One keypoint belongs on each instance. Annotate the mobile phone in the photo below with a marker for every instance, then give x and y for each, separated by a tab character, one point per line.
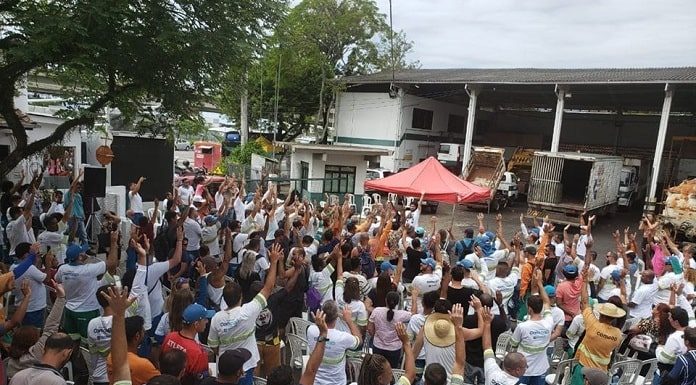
117	282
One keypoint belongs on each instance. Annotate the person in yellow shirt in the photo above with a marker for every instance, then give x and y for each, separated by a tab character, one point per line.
601	336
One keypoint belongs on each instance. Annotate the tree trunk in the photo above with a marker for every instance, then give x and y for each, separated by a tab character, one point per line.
325	113
244	115
321	104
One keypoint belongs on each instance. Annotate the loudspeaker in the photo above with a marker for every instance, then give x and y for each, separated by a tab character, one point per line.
94	182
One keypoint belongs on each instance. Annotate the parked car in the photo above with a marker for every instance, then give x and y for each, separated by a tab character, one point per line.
182	145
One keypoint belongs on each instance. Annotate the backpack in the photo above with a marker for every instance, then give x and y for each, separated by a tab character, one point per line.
467	245
367	264
313	299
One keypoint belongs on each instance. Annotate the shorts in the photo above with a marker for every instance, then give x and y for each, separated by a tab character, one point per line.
75	322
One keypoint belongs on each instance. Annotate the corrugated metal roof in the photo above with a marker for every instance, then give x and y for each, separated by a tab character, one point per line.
532	76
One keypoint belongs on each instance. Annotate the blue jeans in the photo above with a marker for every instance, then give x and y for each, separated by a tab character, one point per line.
81	232
136	218
532	380
34	318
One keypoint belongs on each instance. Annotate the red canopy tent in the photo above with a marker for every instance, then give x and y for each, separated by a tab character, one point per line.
438	183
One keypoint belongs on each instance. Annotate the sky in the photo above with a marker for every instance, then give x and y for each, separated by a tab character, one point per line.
547	33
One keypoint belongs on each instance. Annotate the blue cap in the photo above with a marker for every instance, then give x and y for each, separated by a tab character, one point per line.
550	290
535	230
196	312
420	231
465	263
570	269
386	266
429	262
210	219
676	266
490	235
74	251
616	274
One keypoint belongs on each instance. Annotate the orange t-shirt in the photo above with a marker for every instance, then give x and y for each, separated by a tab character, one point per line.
142	370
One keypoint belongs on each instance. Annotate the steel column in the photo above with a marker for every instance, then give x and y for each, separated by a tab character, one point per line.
470	125
660	146
558	119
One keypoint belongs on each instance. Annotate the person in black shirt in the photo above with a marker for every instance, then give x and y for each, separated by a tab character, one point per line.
550	263
414	255
230	367
456	293
474	348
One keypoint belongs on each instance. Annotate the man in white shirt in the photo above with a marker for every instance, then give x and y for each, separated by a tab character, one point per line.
57	204
186	192
55	237
606	283
99	338
234	327
81	281
640	305
136	201
19	229
210	236
332	368
514	363
192	232
664	283
37	302
430	277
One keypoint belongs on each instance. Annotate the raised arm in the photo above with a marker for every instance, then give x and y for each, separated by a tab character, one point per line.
501	235
409	357
318	353
276	255
457	315
354	330
119	302
136	187
18	316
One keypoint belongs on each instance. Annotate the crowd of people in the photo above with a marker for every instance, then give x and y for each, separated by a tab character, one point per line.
202	289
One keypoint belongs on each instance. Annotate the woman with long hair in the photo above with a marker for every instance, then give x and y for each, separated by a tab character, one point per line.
348	296
376	369
171	321
377	297
245	274
381	326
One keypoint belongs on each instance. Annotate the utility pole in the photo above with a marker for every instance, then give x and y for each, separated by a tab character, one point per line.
244	115
277	95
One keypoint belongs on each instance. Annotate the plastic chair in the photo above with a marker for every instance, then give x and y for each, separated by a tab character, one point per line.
650	375
562	373
627	371
503	345
259	381
559	353
297	344
299	326
397	373
377	198
408	201
353	364
393	198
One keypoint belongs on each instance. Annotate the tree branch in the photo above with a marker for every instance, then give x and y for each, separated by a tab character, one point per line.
24	150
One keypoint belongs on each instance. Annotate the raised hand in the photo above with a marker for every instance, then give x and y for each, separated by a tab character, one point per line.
487	315
320	321
475	303
401	333
347	315
457	313
179	233
276	253
479	216
118	299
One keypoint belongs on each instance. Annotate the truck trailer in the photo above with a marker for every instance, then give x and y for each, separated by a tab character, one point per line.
563	185
486	168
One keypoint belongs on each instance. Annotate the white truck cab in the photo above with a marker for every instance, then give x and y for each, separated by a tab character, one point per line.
508	186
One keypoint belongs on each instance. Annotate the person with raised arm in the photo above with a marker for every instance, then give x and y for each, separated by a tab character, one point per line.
514	363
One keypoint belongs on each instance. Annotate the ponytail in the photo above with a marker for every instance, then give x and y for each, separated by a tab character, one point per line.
392	301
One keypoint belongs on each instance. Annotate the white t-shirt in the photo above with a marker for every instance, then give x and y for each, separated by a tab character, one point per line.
493	374
365	286
81	284
577	326
37	301
492	260
414	326
136	202
163	327
192	232
444	356
186	193
209	236
17	233
235	328
56	240
643	298
141	306
238	242
332	370
357	310
581	249
532	338
426	283
154	286
673	347
322	282
664	290
505	285
609	285
480	266
557	315
99	344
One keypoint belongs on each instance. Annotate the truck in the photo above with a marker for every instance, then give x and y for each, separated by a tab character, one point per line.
521	165
450	155
563	185
680	210
633	182
486	168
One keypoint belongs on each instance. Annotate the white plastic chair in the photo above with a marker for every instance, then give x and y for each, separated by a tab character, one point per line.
391	197
367	205
408	201
377	198
502	346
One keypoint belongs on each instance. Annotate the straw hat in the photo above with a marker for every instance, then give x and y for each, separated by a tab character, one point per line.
610	310
439	330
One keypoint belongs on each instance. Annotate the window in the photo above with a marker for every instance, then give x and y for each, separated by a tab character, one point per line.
339	179
422	119
304	175
456	123
444	149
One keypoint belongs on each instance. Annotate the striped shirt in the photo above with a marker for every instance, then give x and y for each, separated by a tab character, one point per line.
531	339
684	369
235	328
599	342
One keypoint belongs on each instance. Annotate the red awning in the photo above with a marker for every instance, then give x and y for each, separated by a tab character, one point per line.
438	183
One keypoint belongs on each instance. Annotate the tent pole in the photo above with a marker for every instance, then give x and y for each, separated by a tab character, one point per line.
454	206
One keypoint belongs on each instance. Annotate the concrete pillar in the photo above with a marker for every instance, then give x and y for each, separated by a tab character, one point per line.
470	126
558	119
660	146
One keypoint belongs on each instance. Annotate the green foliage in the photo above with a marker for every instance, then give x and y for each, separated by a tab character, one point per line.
316	43
242	154
151	59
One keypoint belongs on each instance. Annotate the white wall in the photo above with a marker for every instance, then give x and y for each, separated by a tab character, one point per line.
317	167
364	117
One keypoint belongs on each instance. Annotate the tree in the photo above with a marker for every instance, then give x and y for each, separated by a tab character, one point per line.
139	57
317	43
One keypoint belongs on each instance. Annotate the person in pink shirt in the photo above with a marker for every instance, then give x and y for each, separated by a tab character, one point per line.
658	259
381	327
568	293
